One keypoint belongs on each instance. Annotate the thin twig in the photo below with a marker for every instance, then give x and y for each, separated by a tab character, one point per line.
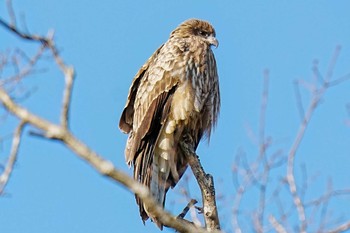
262	155
185	190
342	228
5	176
300	106
326	196
25	36
191	203
276	225
316	97
291	157
332	64
239	193
26	70
69	78
11	13
339	80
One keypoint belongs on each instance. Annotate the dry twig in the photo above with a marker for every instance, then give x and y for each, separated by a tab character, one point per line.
5	176
276	225
317	95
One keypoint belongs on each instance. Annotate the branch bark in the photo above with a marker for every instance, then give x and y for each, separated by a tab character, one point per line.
16	141
206	184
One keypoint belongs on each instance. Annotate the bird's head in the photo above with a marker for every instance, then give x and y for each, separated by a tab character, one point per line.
198	28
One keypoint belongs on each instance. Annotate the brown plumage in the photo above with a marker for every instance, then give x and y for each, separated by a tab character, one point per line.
175	95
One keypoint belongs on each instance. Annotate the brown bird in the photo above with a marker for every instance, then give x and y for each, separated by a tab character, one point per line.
173	97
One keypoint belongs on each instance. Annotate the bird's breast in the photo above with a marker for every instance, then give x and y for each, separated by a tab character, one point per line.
182	105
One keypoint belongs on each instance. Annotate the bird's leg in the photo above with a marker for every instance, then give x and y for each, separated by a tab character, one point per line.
188	143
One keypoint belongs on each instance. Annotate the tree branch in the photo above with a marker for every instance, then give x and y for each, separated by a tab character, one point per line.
276	225
104	167
206	184
25	36
48	42
317	94
69	78
342	228
187	208
262	154
16	141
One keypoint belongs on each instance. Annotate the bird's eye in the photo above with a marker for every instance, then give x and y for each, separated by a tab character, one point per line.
204	33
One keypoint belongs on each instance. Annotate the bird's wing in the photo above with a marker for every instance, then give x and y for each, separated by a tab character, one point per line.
149	93
146	110
126	119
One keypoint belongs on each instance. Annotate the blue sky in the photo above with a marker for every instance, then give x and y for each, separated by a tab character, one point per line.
53	191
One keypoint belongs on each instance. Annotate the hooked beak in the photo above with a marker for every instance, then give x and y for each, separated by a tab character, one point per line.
213	41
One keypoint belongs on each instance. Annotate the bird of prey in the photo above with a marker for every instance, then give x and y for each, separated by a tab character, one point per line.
173	97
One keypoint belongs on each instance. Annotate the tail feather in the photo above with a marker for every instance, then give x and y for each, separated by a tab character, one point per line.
160	174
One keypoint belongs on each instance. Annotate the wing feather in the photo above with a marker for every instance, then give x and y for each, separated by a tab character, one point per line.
127	117
147	99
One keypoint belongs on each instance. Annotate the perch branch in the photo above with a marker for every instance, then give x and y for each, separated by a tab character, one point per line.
206	184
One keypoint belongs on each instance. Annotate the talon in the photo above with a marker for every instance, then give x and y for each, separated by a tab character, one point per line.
200	209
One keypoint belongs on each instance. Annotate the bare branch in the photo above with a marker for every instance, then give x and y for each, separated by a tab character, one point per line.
206	184
339	80
69	78
276	225
11	12
262	155
27	70
25	36
187	208
68	71
317	95
5	176
299	100
342	228
290	164
185	190
332	64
